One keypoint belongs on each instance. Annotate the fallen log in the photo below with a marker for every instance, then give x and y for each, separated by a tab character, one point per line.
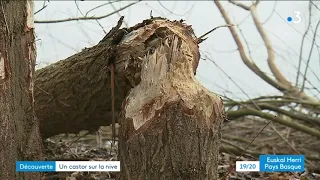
74	94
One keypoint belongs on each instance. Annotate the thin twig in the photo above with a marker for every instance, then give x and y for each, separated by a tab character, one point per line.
295	54
43	7
200	39
250	64
301	46
118	13
85	134
84	17
243	6
173	13
99	7
244	151
309	58
318	48
246	42
235	83
78	8
289	144
269	17
315	5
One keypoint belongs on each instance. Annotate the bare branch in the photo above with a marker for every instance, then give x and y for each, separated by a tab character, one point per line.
295	125
318	48
309	58
200	39
265	106
290	145
243	54
271	61
273	101
234	82
239	4
78	8
294	115
245	150
104	31
237	150
99	7
315	5
84	17
245	41
282	83
118	13
269	17
171	12
43	7
302	43
256	2
271	56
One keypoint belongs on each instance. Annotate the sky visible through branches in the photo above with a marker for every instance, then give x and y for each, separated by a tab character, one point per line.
221	68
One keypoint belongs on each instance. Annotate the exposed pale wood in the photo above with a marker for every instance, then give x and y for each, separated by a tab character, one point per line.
170	124
74	94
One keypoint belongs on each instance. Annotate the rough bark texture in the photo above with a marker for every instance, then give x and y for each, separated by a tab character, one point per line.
19	133
170	124
74	94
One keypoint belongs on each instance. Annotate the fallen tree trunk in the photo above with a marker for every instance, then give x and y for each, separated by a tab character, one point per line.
74	94
170	124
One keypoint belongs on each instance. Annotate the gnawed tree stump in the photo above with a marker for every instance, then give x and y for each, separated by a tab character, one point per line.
170	123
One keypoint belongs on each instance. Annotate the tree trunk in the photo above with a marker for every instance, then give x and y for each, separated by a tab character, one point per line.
170	124
19	133
74	94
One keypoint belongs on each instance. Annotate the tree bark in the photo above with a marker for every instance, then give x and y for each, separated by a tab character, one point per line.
19	133
170	124
75	94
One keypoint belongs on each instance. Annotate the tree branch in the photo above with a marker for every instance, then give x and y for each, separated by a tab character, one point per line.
84	17
251	65
239	4
309	58
295	125
302	43
271	56
282	84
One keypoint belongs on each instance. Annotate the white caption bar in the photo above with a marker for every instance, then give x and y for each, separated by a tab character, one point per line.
247	166
72	166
